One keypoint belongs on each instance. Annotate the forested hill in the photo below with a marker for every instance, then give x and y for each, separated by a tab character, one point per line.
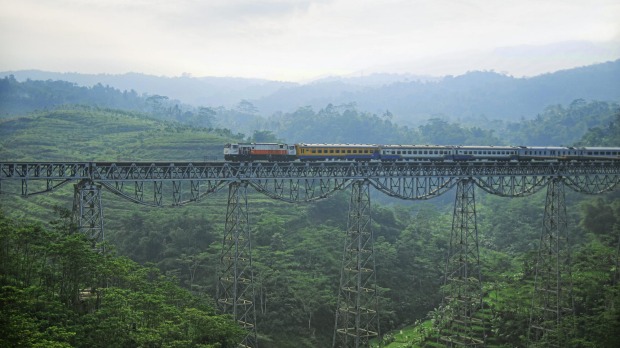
469	96
473	95
80	133
50	282
55	292
561	124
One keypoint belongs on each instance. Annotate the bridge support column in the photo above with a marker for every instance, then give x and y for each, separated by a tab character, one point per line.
356	313
88	211
235	291
462	282
552	297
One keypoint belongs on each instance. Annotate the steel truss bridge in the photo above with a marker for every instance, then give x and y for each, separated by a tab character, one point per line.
177	183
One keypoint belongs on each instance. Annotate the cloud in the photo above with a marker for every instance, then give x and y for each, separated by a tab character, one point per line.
282	38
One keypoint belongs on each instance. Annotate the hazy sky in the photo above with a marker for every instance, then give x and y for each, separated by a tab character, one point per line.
304	39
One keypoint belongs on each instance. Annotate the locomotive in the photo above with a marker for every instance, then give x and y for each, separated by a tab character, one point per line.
276	152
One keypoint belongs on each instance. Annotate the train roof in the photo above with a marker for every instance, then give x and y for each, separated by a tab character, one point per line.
419	146
487	147
338	145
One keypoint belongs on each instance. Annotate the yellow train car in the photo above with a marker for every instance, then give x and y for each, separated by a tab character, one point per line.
337	152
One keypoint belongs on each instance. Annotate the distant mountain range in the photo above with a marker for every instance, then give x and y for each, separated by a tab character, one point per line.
409	98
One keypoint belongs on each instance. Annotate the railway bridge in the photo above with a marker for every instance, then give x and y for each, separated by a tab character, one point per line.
161	184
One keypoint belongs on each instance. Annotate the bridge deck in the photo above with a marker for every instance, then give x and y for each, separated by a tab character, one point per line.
305	181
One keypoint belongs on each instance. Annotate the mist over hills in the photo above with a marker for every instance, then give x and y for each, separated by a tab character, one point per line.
409	98
206	91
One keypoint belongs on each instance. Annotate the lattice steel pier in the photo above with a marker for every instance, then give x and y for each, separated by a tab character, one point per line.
357	319
552	297
463	282
235	292
88	212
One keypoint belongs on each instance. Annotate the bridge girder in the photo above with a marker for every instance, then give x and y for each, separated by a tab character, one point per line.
179	183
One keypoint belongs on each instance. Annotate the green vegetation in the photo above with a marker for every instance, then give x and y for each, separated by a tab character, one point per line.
56	291
84	133
334	123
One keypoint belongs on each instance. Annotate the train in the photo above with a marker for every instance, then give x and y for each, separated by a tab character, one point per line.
280	152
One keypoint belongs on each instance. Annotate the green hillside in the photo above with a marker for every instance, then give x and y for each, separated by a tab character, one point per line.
86	134
297	248
120	303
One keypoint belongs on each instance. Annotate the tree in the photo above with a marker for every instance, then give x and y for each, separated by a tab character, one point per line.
247	107
55	291
264	136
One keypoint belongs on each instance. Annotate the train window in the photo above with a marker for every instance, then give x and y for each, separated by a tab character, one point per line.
331	151
313	150
337	151
425	152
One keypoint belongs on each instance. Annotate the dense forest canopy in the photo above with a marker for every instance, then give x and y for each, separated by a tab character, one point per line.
56	291
154	286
